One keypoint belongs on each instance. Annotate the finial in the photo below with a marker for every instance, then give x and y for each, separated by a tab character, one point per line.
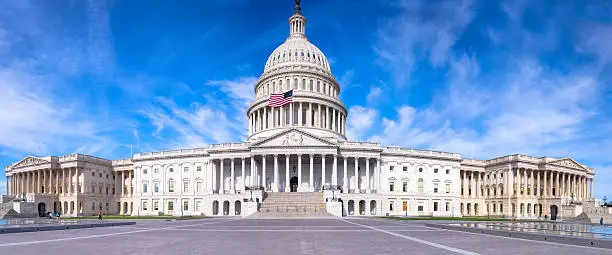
297	8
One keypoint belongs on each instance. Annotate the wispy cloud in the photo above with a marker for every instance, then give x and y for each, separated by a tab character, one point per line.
360	122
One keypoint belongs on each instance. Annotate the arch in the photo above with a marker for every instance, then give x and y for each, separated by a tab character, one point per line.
528	209
125	207
71	207
362	205
420	185
42	209
237	207
373	207
65	207
522	209
540	210
476	209
469	209
351	207
226	206
342	203
215	207
500	187
513	205
461	208
553	212
293	184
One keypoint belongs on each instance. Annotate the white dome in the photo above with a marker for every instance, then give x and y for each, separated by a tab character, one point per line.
297	51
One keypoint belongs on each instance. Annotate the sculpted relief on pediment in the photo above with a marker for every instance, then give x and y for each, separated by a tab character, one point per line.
567	163
293	139
29	161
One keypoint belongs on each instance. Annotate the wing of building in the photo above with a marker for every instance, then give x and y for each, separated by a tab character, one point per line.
298	160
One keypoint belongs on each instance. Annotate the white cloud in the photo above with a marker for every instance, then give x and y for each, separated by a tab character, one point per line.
423	30
3	186
359	122
374	94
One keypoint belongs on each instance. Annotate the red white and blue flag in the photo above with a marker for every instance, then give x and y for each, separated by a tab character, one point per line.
278	100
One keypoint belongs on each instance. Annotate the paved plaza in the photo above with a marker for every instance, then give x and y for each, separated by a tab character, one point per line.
274	236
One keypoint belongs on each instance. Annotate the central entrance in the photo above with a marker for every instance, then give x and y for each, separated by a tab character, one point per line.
293	184
553	212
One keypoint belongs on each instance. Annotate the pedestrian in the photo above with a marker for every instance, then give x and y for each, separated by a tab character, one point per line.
601	221
99	214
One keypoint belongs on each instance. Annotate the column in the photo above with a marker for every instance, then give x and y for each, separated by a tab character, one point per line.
222	177
327	118
367	175
242	174
472	184
335	171
273	118
299	187
590	187
322	171
319	122
282	116
287	189
539	184
462	177
309	118
266	118
275	186
122	183
333	119
558	188
357	175
532	183
38	179
213	172
545	184
311	177
345	179
291	114
232	177
263	171
300	124
377	174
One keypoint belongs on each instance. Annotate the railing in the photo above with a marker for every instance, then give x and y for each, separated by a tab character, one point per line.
227	145
423	152
76	156
332	187
254	188
122	162
171	152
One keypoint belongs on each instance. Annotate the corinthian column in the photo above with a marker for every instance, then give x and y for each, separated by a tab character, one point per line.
345	179
322	171
275	186
311	177
367	175
357	175
287	188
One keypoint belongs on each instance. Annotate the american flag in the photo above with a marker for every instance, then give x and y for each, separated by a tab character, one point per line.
277	100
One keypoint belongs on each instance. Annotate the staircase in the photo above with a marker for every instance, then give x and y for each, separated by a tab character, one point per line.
293	205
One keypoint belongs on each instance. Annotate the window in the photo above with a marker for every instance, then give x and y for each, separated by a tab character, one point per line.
420	208
171	170
171	186
185	205
93	206
448	188
447	206
156	205
156	170
435	188
185	186
100	175
156	188
420	185
435	206
435	170
144	171
93	174
185	169
405	169
199	186
144	187
391	206
447	171
170	206
391	186
144	205
390	168
405	187
198	169
420	169
198	206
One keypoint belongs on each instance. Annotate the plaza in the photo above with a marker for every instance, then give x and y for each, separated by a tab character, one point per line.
235	235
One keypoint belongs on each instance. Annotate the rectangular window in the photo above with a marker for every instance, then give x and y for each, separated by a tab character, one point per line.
170	186
156	171
156	205
156	187
405	187
198	169
435	188
435	206
198	206
198	186
185	205
144	171
391	186
170	206
420	208
448	188
435	170
391	168
447	206
405	168
185	169
144	205
391	206
185	186
447	171
144	187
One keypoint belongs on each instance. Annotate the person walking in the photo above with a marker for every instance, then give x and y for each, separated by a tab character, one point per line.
99	214
601	221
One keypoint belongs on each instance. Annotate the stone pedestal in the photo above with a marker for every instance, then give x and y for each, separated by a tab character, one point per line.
334	208
249	208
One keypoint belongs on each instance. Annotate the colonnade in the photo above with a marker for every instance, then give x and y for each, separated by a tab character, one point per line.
45	181
298	114
259	170
522	182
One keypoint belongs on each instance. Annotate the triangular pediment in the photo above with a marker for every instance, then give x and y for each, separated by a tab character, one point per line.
568	162
293	138
29	161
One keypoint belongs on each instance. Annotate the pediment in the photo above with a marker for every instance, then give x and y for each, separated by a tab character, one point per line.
568	162
293	138
30	161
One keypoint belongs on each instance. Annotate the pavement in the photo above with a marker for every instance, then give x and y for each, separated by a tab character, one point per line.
275	236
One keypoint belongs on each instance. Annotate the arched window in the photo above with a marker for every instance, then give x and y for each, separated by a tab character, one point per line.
420	169
420	185
171	185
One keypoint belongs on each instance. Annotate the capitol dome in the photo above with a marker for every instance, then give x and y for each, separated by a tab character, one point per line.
299	68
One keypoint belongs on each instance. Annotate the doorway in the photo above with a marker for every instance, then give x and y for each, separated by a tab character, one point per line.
41	209
293	184
553	212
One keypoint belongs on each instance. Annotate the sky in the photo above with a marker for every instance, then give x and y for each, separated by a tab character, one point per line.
481	78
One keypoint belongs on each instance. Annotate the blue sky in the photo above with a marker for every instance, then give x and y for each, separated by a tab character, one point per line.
482	78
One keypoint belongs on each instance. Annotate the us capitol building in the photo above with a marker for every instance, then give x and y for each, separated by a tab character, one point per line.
297	160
